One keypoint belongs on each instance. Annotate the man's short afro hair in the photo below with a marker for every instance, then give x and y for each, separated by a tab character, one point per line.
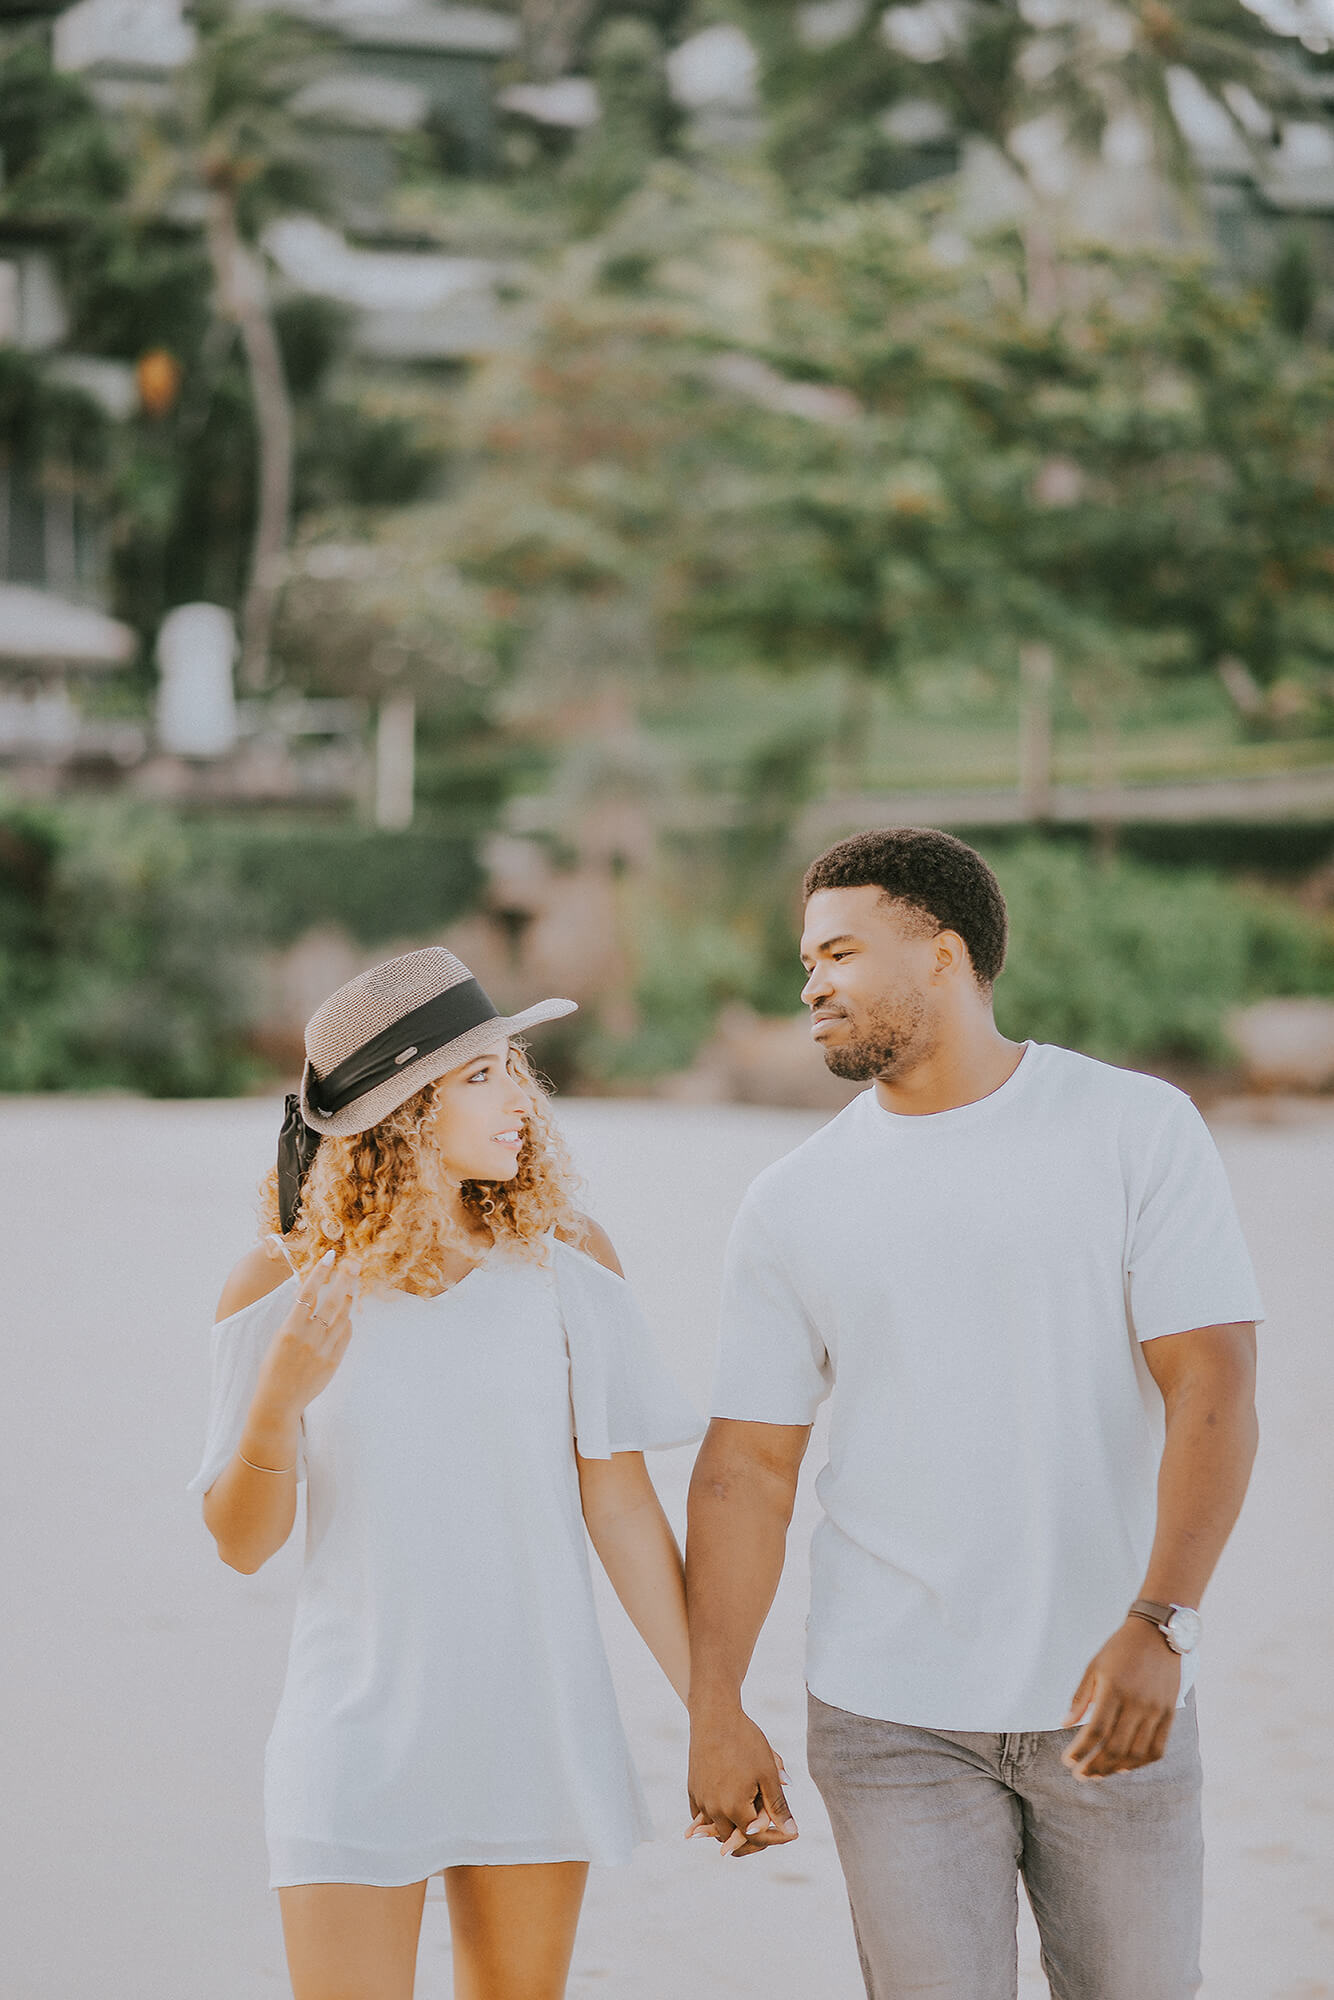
932	872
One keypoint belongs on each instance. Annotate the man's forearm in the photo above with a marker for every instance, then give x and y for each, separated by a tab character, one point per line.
739	1515
1206	1465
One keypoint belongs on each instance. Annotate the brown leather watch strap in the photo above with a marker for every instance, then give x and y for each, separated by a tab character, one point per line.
1144	1607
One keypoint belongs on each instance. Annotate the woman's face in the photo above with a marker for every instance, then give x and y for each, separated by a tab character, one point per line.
480	1115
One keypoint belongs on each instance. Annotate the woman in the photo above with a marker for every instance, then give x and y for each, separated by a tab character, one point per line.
445	1348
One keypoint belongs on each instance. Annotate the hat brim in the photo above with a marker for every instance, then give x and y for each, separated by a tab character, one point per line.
369	1109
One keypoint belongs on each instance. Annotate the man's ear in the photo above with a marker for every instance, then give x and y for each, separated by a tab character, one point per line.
951	953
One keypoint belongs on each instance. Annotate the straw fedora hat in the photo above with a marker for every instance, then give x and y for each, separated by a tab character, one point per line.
393	1029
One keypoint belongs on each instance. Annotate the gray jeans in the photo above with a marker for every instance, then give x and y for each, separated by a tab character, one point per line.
935	1826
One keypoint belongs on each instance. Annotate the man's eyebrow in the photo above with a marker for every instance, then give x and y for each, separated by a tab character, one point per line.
845	937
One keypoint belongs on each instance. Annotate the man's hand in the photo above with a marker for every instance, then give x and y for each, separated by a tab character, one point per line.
1132	1686
735	1784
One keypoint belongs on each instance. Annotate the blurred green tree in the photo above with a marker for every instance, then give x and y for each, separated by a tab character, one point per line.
613	156
115	202
1027	80
552	31
909	468
229	131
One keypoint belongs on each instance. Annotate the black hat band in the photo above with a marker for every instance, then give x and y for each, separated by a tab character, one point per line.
420	1033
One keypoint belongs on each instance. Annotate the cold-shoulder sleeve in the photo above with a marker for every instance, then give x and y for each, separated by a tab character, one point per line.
623	1397
239	1344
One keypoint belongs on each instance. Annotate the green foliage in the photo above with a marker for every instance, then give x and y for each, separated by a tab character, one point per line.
1140	481
690	965
1128	962
58	155
990	69
312	333
378	886
613	156
45	420
129	940
912	468
230	117
132	284
1294	288
124	963
349	454
179	489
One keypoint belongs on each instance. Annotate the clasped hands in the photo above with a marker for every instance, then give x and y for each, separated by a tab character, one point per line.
736	1786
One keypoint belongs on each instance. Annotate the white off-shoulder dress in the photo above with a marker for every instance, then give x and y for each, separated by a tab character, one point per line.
447	1696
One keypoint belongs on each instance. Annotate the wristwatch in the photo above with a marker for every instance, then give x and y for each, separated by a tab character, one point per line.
1179	1625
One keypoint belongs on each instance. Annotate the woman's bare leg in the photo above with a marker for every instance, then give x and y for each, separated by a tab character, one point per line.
346	1941
512	1929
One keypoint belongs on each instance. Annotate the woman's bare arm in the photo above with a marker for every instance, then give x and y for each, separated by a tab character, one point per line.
628	1528
638	1550
249	1511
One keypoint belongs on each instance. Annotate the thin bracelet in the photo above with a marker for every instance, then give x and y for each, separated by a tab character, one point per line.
275	1469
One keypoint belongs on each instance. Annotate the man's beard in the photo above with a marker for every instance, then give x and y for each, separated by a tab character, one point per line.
883	1044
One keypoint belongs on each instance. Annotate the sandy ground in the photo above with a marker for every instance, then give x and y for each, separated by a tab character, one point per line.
138	1676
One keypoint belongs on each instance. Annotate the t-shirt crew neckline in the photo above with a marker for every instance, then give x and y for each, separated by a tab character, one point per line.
995	1100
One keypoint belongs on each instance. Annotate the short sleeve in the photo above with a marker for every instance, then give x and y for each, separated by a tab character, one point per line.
622	1395
239	1344
773	1365
1187	1264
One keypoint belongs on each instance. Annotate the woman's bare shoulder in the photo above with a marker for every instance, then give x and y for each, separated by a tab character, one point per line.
593	1240
259	1272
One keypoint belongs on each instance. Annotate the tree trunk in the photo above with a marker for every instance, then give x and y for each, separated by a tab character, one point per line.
551	31
395	726
1037	672
243	298
1042	284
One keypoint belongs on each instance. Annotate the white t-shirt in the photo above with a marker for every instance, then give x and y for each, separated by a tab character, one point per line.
973	1287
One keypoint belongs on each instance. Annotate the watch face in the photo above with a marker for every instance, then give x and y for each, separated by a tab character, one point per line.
1183	1630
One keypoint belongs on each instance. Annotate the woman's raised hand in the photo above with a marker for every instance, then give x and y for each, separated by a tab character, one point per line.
310	1343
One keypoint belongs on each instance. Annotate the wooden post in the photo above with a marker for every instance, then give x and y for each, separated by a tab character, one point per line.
395	730
1037	673
1106	788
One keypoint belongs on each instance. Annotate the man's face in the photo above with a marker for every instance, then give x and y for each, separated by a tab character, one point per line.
872	984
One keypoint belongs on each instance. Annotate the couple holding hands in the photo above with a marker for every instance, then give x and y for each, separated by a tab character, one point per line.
1019	1275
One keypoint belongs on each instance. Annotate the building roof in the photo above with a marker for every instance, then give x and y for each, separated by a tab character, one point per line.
414	25
359	102
410	305
123	35
39	630
571	102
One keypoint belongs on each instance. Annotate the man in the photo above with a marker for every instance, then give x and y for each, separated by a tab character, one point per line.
1020	1275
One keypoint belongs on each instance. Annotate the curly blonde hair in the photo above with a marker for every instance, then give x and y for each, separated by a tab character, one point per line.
382	1196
